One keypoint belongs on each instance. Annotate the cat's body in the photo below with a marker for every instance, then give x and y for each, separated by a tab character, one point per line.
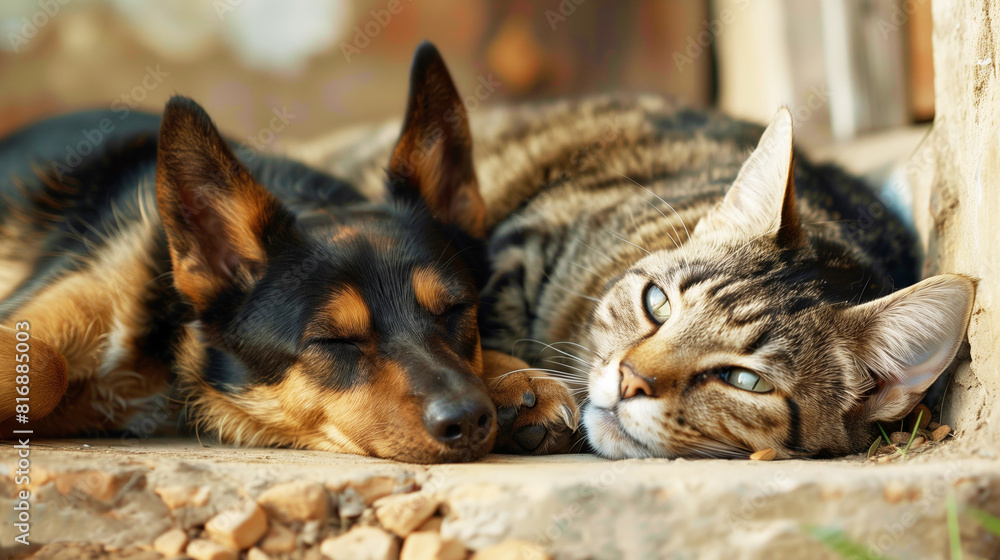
588	202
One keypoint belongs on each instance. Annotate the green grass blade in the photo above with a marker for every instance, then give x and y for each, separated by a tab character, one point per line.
953	535
874	447
841	544
885	435
914	434
989	522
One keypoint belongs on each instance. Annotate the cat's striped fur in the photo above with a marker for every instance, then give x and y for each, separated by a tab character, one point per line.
591	202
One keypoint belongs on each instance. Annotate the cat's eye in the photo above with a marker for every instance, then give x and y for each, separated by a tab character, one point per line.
657	304
746	380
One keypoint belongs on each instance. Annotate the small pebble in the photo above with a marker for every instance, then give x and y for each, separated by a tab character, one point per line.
899	438
257	554
923	413
764	455
278	540
171	543
402	513
431	546
204	549
295	501
512	549
433	525
361	543
941	432
917	442
239	527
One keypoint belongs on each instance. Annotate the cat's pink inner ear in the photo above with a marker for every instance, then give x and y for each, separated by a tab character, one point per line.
908	339
761	200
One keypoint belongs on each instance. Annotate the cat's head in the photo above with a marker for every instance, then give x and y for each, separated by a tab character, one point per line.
752	336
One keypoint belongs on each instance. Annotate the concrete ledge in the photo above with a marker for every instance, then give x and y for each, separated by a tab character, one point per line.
573	506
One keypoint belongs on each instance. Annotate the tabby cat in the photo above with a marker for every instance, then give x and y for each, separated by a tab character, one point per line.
699	302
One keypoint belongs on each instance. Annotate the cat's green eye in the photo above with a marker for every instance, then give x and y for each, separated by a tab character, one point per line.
746	380
657	304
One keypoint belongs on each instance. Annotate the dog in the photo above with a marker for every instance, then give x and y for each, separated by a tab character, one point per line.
281	306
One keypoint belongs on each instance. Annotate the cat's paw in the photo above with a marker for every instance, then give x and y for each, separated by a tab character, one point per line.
536	415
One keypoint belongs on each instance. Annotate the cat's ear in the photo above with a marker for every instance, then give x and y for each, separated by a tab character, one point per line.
433	156
907	339
217	218
762	199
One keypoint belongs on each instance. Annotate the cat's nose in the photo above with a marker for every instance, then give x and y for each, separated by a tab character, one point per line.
633	384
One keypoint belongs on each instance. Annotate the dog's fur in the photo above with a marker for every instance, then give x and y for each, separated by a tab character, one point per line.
283	306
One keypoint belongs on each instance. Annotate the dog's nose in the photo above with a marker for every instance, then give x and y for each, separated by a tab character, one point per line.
633	384
460	421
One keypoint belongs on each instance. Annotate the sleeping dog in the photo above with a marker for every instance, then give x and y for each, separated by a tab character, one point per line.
278	303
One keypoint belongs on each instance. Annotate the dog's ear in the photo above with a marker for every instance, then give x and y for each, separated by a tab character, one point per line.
433	157
218	220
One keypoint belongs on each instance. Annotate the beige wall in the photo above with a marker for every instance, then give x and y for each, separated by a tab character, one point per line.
958	206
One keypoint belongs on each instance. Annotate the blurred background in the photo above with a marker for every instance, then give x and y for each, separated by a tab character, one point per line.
847	68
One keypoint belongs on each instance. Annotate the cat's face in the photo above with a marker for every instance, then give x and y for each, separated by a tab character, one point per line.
746	338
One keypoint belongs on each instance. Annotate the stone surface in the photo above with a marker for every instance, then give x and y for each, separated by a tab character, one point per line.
403	513
361	543
423	545
171	543
573	506
295	501
239	527
204	549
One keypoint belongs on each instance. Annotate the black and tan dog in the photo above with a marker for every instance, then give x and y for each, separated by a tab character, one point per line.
280	304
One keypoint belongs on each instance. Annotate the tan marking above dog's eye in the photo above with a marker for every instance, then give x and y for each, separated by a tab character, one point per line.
430	291
344	315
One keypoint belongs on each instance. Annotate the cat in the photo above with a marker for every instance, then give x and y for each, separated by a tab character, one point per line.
701	296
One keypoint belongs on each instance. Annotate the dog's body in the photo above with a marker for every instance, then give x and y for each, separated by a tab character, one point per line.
298	313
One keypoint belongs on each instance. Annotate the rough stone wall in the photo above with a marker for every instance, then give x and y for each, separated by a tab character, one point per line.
959	212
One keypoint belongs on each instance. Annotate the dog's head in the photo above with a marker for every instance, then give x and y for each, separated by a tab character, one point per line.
352	328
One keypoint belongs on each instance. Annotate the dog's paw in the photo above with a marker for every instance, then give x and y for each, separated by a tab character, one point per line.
536	415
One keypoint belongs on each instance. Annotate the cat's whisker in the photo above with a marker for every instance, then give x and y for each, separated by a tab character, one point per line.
565	354
553	347
668	205
578	345
574	368
557	372
567	381
626	240
578	265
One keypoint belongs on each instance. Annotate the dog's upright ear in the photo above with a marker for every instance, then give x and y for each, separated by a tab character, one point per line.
218	220
433	157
